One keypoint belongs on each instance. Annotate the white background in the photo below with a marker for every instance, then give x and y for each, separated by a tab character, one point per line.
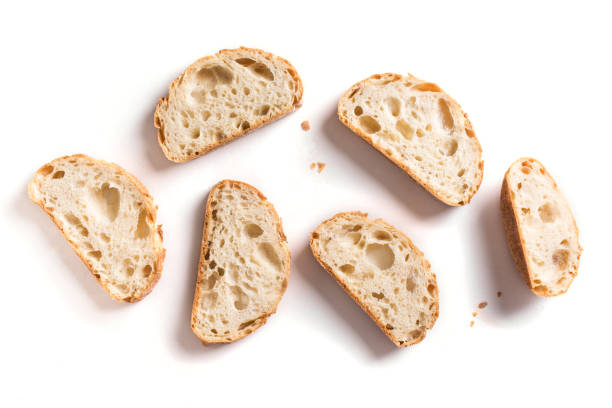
535	80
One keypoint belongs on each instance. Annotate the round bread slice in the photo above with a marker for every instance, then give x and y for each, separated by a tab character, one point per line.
382	270
540	228
221	97
109	219
421	129
244	264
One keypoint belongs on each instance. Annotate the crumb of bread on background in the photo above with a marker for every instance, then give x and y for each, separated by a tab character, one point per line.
312	166
472	323
475	314
306	125
482	305
499	294
320	167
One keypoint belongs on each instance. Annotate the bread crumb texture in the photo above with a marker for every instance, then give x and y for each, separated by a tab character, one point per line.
540	228
108	217
382	271
221	97
421	129
244	264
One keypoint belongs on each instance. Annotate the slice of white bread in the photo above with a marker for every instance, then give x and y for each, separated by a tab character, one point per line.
221	97
244	264
109	219
382	270
540	228
419	128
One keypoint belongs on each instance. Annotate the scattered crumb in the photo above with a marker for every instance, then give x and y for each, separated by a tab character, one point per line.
472	323
482	305
306	125
499	294
312	166
320	167
475	314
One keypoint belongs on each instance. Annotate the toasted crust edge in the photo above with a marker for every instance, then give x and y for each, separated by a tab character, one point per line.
514	235
200	277
151	211
376	320
297	103
422	183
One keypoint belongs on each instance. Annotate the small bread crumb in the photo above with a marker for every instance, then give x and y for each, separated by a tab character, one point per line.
475	314
499	294
306	125
482	305
320	166
312	166
472	323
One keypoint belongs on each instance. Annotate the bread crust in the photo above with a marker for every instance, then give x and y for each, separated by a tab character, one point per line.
514	234
151	211
379	323
261	320
467	124
157	121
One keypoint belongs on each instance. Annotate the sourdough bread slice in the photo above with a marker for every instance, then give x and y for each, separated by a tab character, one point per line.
382	270
540	228
244	264
221	97
419	128
109	219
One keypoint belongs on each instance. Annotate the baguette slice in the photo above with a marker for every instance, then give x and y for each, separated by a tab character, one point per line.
540	228
244	264
221	97
109	219
419	128
382	270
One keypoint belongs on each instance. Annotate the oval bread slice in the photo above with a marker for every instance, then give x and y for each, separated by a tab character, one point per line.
109	219
244	264
419	128
540	228
221	97
382	270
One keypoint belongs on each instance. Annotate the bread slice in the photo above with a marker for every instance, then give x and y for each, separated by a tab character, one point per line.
540	228
244	264
382	270
221	97
109	219
419	128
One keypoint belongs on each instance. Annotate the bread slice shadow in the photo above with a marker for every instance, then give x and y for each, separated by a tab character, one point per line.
386	173
58	245
374	341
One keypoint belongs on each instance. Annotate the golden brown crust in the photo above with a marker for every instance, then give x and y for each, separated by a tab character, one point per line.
151	214
467	124
239	133
261	320
379	323
514	234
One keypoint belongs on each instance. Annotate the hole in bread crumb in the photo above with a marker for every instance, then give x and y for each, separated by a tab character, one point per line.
525	211
450	147
415	334
146	271
263	71
446	117
382	235
420	133
431	289
95	254
244	126
253	230
427	87
58	174
358	110
241	299
461	173
107	200
404	128
46	170
195	133
267	252
246	91
347	268
380	255
525	170
418	158
246	324
263	110
74	220
541	290
369	124
245	62
561	258
394	105
378	296
410	284
548	212
565	242
142	228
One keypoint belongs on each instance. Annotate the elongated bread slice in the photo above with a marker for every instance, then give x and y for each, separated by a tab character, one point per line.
109	219
540	228
221	97
419	128
382	270
244	264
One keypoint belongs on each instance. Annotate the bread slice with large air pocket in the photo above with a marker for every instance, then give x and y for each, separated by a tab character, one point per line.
223	96
382	270
540	228
109	219
421	129
244	264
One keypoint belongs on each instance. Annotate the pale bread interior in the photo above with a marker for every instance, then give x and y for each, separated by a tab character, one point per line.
383	270
107	218
220	97
546	225
244	266
419	127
